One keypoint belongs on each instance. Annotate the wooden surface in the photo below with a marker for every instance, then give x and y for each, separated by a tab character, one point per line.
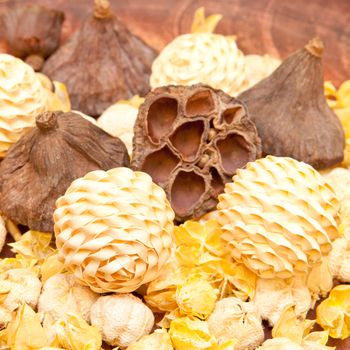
277	27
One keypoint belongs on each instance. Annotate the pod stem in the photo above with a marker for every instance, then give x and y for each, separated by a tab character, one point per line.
47	120
102	9
315	46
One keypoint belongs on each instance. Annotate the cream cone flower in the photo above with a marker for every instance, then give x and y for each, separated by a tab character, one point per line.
114	229
279	217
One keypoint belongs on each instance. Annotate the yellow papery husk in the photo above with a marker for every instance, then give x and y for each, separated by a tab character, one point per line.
33	244
51	266
73	333
159	340
333	314
24	331
196	297
193	334
202	24
20	262
289	326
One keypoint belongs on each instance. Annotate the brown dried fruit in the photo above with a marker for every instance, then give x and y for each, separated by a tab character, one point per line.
191	140
291	113
111	63
42	164
32	32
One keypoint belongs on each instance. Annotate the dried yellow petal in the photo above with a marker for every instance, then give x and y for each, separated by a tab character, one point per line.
159	340
73	333
33	244
19	262
196	297
289	326
191	334
202	24
51	266
24	332
333	314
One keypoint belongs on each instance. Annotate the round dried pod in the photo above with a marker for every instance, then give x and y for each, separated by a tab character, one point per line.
32	32
291	113
121	318
22	98
114	229
234	319
279	217
101	41
43	163
191	140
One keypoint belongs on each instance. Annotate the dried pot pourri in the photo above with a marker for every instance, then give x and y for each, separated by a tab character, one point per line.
291	112
32	32
191	140
42	164
101	41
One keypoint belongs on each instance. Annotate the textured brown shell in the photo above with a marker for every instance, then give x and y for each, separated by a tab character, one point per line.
32	30
103	62
291	113
191	140
42	164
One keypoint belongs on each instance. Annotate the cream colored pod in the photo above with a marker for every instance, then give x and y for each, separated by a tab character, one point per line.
22	98
279	217
114	229
234	319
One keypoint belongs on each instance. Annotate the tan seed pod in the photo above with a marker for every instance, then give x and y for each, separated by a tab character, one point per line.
233	318
17	286
191	140
62	294
339	260
279	217
114	229
121	318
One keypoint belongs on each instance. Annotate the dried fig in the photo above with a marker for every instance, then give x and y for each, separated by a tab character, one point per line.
291	113
32	32
103	62
42	164
191	140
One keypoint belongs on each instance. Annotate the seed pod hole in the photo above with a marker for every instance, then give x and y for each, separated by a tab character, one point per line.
161	115
187	139
160	164
216	183
230	114
234	152
187	189
201	103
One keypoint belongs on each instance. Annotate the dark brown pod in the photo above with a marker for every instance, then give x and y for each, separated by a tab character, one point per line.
42	164
103	62
191	140
32	32
291	113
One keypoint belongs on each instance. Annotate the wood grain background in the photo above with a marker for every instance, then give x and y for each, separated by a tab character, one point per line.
277	27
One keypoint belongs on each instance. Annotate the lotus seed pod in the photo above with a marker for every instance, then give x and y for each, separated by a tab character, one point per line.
191	140
121	318
272	296
233	318
22	98
62	294
279	217
114	229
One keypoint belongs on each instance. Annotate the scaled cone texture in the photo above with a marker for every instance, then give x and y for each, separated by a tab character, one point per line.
22	98
279	217
114	229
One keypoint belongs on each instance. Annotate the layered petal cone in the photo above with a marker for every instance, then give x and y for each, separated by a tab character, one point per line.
103	62
43	163
114	229
279	217
291	112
